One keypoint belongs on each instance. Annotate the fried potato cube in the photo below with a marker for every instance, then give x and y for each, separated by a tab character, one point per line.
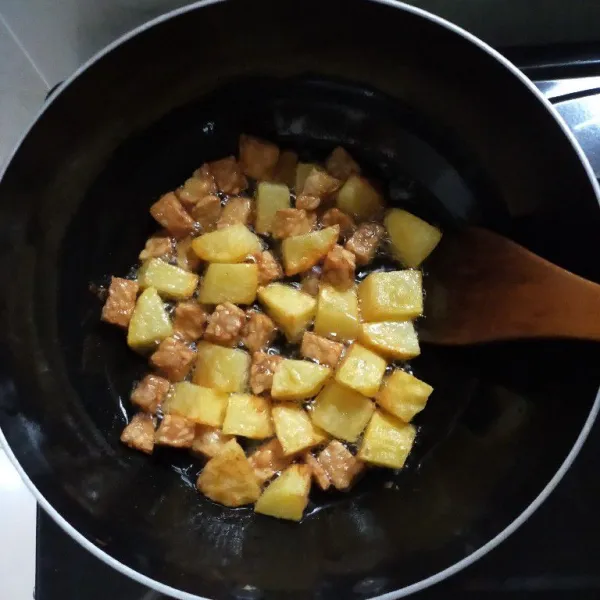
225	325
139	433
150	323
360	199
341	165
340	465
185	255
302	172
294	429
413	239
270	197
220	368
248	416
337	313
317	471
175	431
341	411
301	252
391	296
232	244
268	268
257	157
209	441
365	241
236	283
268	460
236	211
394	339
201	405
298	379
285	170
228	175
403	395
149	393
362	370
262	371
324	351
120	303
258	332
228	477
170	214
189	320
290	308
387	441
169	281
174	358
287	496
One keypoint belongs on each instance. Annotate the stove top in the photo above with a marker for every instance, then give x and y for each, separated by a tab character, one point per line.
556	553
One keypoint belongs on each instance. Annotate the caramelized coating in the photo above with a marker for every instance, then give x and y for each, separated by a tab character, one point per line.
318	473
258	332
268	268
173	358
339	267
207	212
365	242
190	320
209	441
258	158
237	210
268	460
310	281
292	221
340	465
228	175
262	371
285	170
341	165
187	259
149	393
175	431
201	184
335	216
139	433
171	215
324	351
318	185
119	305
225	325
157	246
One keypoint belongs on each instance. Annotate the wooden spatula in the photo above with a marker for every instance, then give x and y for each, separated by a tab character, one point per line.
483	287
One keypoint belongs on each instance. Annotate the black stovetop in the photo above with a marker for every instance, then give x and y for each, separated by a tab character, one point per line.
555	554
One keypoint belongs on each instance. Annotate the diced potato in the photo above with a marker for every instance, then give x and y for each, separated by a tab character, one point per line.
387	441
362	370
290	308
202	405
360	199
395	339
168	280
248	416
287	496
298	379
301	252
302	172
150	323
403	395
270	197
229	478
412	239
209	441
391	296
337	313
229	245
342	412
294	429
229	283
220	368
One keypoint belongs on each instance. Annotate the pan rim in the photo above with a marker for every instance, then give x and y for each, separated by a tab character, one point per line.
490	544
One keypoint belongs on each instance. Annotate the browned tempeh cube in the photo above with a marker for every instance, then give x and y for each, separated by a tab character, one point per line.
139	434
258	332
365	241
292	221
324	351
171	215
207	212
209	441
175	431
190	320
340	465
262	371
341	165
335	216
150	392
268	268
317	471
225	325
236	210
310	281
318	185
339	267
119	305
157	246
257	157
174	358
201	184
228	175
268	459
187	259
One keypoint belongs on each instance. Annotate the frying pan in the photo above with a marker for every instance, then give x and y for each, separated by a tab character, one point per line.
459	136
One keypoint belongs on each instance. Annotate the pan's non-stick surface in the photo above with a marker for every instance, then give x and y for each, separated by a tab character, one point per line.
416	103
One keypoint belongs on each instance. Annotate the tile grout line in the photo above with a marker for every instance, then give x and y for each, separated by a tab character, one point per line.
23	49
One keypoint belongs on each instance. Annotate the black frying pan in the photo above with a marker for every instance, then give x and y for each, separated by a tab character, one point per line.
459	135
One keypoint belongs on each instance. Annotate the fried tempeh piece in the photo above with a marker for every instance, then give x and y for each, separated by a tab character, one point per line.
268	459
119	305
262	371
289	222
365	241
340	465
139	433
236	210
225	325
149	393
174	358
175	431
190	320
258	158
324	351
258	332
228	175
171	215
339	267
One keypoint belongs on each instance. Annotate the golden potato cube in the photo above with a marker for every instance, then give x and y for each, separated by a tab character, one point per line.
202	405
229	245
248	416
287	496
220	368
294	429
298	379
302	172
229	478
229	283
387	441
360	199
337	313
362	370
395	339
391	296
412	239
301	252
169	281
150	323
403	395
270	197
341	411
290	308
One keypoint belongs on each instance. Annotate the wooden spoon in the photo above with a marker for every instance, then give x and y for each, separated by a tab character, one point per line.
483	287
